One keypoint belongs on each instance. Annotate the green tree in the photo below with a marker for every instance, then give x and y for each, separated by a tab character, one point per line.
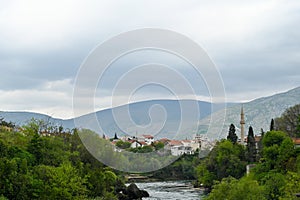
226	159
291	187
289	121
116	137
273	183
3	149
277	151
272	125
231	134
274	138
205	178
251	146
232	189
35	147
63	182
158	145
123	145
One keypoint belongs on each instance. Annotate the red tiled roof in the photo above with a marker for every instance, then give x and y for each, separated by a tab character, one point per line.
164	140
174	142
143	143
148	136
296	141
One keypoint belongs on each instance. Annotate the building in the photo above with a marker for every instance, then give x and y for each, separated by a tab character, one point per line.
136	144
149	139
178	147
194	144
296	142
164	140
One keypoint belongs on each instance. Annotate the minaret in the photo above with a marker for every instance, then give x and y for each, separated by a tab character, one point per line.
242	123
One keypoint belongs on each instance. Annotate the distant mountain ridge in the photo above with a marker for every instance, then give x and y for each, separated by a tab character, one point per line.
139	112
258	113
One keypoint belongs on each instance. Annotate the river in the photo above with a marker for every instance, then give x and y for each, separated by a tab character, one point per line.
175	190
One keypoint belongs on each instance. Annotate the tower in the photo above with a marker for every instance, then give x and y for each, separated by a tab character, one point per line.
242	123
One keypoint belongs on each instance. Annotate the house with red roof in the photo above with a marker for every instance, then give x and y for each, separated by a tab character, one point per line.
296	142
149	139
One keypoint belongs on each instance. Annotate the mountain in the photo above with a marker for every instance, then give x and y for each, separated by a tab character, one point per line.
258	114
21	118
162	117
145	117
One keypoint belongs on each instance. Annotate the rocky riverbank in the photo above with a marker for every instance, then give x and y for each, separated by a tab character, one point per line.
131	192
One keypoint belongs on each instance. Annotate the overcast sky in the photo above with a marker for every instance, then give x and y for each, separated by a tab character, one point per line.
254	44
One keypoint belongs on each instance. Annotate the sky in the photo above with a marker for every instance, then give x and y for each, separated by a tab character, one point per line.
255	45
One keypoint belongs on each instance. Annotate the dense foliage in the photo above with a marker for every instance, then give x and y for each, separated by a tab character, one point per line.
289	122
276	172
57	166
181	169
231	134
226	159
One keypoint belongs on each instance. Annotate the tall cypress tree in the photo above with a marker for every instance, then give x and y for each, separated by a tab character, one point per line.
116	137
272	125
251	146
231	134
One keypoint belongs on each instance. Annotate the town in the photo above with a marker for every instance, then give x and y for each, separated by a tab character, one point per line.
146	143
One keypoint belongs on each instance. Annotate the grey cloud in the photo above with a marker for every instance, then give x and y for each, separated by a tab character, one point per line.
267	59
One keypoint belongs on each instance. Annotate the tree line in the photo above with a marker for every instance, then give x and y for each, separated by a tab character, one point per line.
33	166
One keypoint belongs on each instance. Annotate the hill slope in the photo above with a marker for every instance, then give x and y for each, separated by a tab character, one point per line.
258	114
147	118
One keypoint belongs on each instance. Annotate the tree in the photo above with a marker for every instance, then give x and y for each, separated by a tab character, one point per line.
158	145
226	159
298	128
123	145
274	138
251	146
272	125
289	121
63	182
204	177
3	149
231	188
36	147
231	134
273	183
278	151
116	137
292	186
7	124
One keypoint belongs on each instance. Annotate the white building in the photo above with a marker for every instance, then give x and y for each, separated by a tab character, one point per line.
194	144
136	144
149	139
178	148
